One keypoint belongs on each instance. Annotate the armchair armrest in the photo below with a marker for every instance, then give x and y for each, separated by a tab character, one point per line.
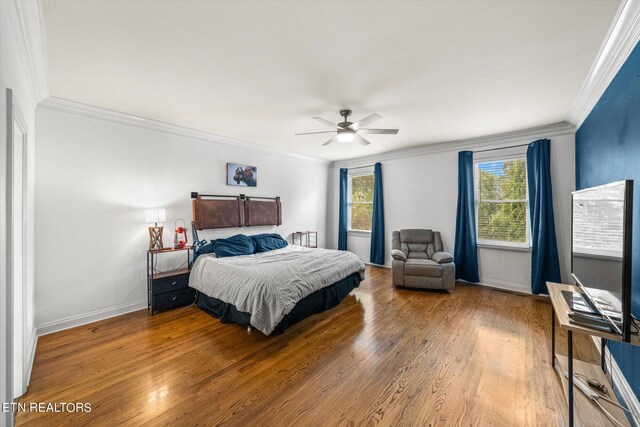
442	257
398	254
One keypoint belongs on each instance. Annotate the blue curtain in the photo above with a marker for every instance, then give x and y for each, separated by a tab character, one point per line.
466	249
544	249
343	214
376	254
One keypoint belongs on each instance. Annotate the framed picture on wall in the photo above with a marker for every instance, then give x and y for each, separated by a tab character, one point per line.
242	175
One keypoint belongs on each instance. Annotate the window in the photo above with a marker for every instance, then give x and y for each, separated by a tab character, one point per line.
361	201
502	202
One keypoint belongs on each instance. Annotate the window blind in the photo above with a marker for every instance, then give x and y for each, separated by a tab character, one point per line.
502	207
361	202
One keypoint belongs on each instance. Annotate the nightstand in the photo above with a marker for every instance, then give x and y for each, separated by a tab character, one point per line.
168	289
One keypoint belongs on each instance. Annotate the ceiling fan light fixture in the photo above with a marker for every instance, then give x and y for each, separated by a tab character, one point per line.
347	131
346	136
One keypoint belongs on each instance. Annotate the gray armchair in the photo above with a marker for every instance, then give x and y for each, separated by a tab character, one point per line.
419	260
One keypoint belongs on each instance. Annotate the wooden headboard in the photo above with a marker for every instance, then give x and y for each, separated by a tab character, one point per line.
225	211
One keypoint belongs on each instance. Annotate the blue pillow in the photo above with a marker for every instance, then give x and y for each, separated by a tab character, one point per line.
268	242
234	246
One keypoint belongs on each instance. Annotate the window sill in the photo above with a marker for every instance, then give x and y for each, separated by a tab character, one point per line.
504	247
359	233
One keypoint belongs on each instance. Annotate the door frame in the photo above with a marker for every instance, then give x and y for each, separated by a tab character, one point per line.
16	287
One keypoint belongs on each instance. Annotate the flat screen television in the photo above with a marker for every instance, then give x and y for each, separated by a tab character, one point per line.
601	234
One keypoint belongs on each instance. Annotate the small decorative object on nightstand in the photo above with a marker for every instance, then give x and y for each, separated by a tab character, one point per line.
180	237
168	289
154	216
308	239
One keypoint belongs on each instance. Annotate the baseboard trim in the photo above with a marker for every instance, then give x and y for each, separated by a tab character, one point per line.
93	316
376	265
33	343
506	285
625	392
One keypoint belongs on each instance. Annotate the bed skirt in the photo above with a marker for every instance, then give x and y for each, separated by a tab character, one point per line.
316	302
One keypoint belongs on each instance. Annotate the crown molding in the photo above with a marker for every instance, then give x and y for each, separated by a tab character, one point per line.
27	23
85	111
490	141
621	39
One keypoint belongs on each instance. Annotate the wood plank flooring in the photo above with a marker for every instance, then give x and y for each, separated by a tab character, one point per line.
384	356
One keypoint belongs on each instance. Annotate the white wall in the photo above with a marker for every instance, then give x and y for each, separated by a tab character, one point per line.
94	178
22	69
420	191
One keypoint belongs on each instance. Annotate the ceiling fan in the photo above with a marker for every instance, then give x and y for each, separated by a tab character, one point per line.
348	131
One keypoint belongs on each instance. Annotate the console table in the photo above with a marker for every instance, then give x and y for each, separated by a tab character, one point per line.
588	412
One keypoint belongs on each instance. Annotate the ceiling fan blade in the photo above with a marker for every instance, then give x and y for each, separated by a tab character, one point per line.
312	133
361	140
379	131
326	122
334	139
369	119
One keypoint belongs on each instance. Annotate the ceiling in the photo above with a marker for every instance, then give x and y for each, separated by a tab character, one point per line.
257	71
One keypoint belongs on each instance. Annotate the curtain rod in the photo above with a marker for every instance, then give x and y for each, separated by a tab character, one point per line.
502	148
362	167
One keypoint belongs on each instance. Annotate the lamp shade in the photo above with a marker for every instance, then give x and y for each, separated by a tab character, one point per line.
155	215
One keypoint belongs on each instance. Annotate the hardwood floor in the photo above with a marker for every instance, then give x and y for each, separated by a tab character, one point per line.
384	356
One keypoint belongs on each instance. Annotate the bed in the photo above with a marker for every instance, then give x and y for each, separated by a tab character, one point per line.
272	290
260	281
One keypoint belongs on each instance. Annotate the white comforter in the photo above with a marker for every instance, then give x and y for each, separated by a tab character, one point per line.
267	285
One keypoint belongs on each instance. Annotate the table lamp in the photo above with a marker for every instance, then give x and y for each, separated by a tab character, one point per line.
154	216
